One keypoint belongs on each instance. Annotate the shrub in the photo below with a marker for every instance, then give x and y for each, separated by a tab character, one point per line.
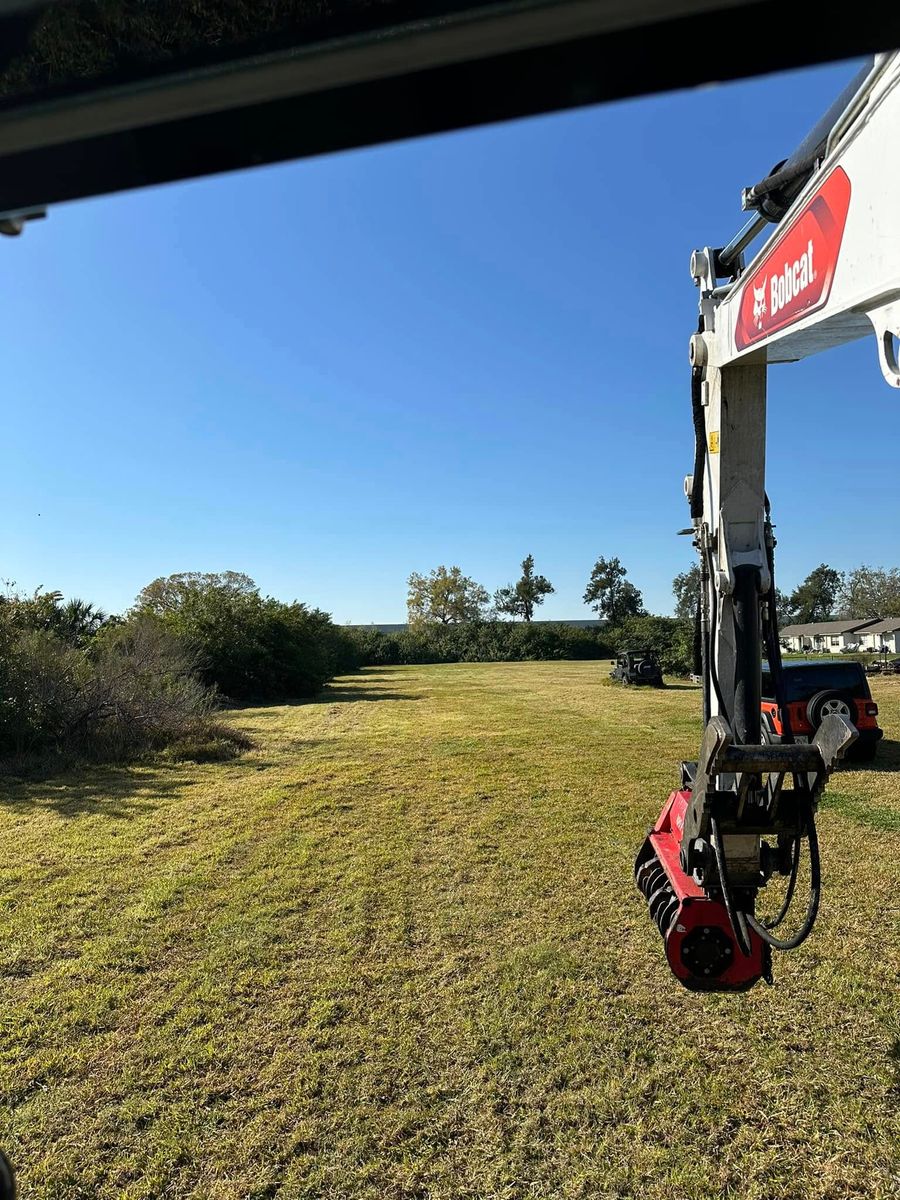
135	688
249	647
146	692
42	689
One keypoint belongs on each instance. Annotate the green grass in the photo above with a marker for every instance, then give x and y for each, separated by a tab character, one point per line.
395	952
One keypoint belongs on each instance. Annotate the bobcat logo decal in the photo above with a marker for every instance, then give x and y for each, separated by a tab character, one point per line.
792	278
759	305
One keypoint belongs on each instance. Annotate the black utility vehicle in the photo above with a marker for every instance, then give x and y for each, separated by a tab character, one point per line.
638	666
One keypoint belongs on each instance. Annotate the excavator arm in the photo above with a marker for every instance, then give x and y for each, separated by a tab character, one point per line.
829	273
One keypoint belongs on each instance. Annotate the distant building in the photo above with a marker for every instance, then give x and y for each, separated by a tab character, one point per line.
830	637
883	635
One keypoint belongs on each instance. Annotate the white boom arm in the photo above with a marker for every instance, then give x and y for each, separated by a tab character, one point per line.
829	273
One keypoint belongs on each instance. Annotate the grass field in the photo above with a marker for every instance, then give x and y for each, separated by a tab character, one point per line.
395	952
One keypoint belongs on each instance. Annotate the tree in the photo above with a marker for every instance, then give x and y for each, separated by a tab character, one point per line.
79	621
686	589
75	622
611	594
169	593
519	599
871	592
445	597
787	614
814	599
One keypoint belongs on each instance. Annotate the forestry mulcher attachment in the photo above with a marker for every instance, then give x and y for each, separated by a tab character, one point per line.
828	274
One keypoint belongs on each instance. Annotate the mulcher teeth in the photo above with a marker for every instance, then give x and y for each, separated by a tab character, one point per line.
653	883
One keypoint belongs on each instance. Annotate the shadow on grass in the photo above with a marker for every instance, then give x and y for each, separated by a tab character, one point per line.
887	758
351	689
340	695
348	691
119	792
350	695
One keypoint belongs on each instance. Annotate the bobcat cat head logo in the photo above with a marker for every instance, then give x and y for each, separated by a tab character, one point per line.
759	305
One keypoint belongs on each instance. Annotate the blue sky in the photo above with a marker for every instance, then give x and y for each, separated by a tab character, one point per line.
454	350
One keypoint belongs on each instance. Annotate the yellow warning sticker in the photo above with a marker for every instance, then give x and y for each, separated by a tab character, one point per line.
714	442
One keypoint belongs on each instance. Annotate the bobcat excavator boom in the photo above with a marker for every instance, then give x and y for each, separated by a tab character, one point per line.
829	273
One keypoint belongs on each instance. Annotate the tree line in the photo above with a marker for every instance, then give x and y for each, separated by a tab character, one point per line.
824	595
74	678
446	596
453	618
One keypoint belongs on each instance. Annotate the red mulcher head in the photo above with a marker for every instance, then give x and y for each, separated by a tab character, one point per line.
700	945
730	800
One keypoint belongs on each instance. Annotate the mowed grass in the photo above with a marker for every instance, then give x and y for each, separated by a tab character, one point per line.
395	951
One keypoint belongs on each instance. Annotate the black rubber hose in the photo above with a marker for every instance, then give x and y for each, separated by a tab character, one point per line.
745	612
773	650
776	670
737	927
696	504
815	894
792	883
786	181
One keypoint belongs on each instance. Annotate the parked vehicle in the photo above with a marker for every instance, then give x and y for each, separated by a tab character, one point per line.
815	689
638	667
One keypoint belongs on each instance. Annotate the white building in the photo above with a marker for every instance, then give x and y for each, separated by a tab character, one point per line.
828	637
883	635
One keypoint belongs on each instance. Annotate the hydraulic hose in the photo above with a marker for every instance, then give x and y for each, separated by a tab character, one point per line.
775	921
815	894
737	926
745	613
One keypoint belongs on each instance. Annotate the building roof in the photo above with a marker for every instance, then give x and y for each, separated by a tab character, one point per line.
887	626
827	627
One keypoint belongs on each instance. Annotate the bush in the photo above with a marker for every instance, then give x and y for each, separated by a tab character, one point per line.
73	680
134	688
250	647
146	691
42	689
